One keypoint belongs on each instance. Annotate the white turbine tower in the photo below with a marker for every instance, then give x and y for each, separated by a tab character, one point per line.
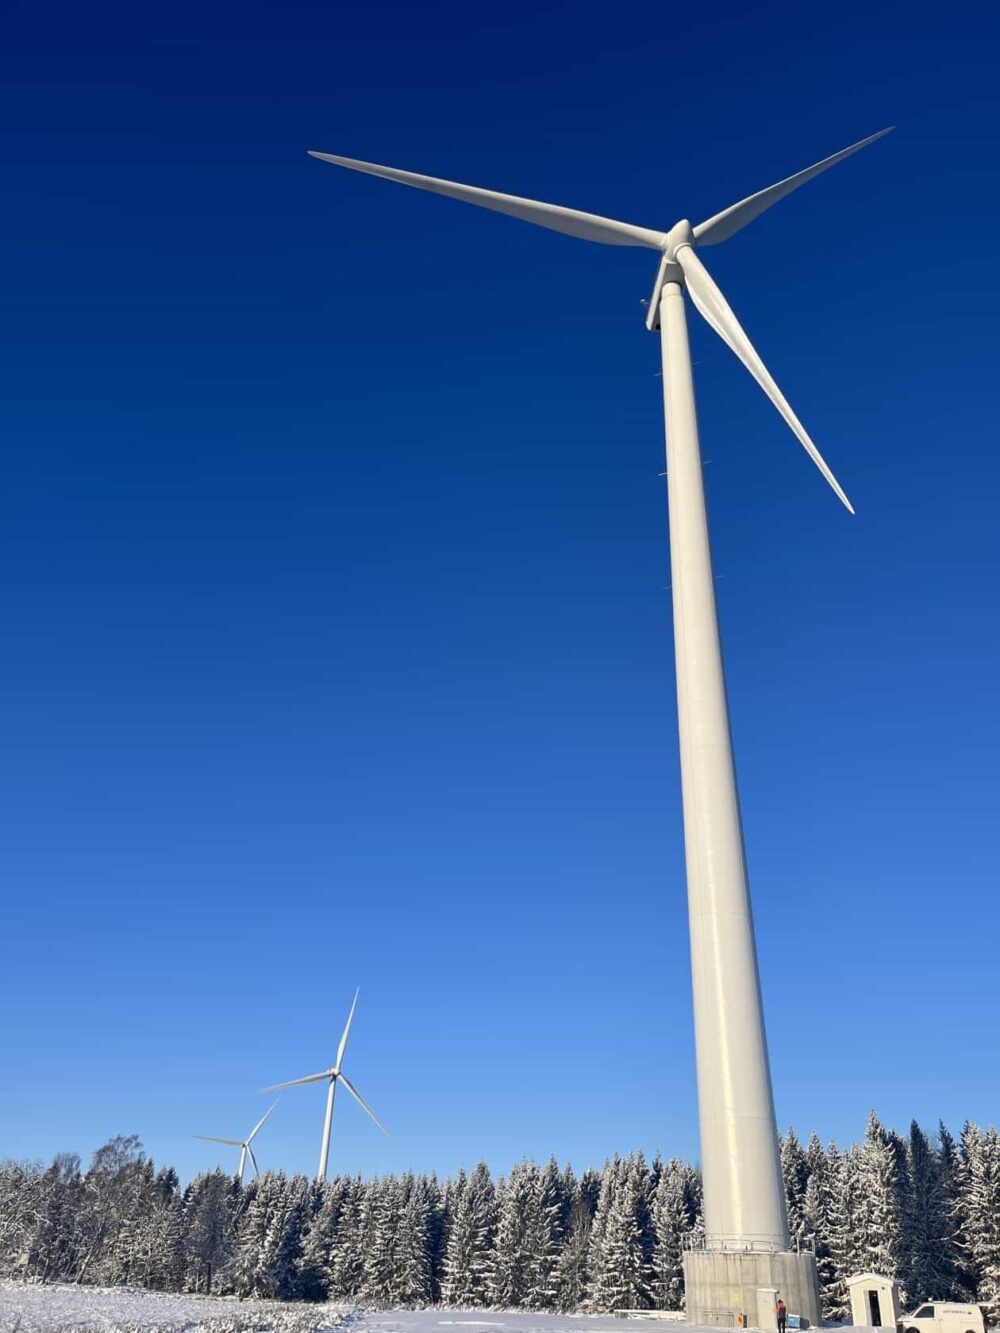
242	1144
333	1075
744	1204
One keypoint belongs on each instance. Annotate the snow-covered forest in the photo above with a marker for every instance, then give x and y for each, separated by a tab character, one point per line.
926	1210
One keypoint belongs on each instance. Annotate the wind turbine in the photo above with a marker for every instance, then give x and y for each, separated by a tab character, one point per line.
744	1201
242	1144
333	1075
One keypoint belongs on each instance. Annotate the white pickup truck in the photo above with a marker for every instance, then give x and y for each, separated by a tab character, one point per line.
944	1317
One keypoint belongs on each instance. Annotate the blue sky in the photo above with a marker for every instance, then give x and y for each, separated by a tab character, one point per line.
336	631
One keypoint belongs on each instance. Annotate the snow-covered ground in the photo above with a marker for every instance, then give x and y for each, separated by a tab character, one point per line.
69	1309
492	1321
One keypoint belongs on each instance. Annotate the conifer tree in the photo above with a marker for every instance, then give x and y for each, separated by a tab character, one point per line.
517	1198
414	1248
546	1236
951	1176
468	1261
571	1273
620	1249
675	1218
981	1153
882	1167
380	1216
316	1261
269	1241
209	1216
928	1228
54	1253
795	1175
817	1219
847	1219
347	1260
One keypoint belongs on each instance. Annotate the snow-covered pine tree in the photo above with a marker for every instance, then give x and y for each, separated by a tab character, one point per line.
620	1250
380	1216
468	1263
546	1236
316	1261
951	1176
210	1203
675	1211
847	1220
54	1254
609	1185
883	1184
817	1219
277	1273
795	1174
981	1154
414	1286
517	1197
347	1260
256	1238
571	1274
928	1228
438	1223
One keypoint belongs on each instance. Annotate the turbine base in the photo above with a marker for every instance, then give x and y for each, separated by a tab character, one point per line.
722	1284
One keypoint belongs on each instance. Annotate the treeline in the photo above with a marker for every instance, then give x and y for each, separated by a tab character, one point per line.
542	1237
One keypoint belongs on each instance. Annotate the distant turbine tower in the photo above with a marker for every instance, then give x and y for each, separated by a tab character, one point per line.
744	1205
243	1144
335	1075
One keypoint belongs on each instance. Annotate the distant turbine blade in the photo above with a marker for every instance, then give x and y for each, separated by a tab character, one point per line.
253	1159
361	1101
587	226
207	1138
735	218
714	308
260	1122
297	1082
347	1031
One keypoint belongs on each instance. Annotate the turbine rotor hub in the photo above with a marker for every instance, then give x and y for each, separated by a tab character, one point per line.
680	234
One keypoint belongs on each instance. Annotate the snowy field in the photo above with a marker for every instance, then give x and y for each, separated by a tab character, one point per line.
490	1321
70	1309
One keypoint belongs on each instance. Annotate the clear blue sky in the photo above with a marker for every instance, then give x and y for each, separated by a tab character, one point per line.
336	636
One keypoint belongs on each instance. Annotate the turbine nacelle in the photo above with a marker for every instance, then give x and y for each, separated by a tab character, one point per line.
679	235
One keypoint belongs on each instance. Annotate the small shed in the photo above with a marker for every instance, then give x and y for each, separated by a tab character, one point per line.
874	1301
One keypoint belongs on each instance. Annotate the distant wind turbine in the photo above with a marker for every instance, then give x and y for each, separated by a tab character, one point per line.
243	1144
333	1075
744	1203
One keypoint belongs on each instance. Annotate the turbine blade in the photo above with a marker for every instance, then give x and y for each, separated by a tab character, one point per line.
260	1122
361	1101
253	1159
347	1031
297	1082
587	226
207	1138
735	218
714	308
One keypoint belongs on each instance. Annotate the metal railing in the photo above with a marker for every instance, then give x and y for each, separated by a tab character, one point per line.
744	1244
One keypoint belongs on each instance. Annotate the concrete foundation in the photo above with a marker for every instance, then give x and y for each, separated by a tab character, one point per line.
721	1285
